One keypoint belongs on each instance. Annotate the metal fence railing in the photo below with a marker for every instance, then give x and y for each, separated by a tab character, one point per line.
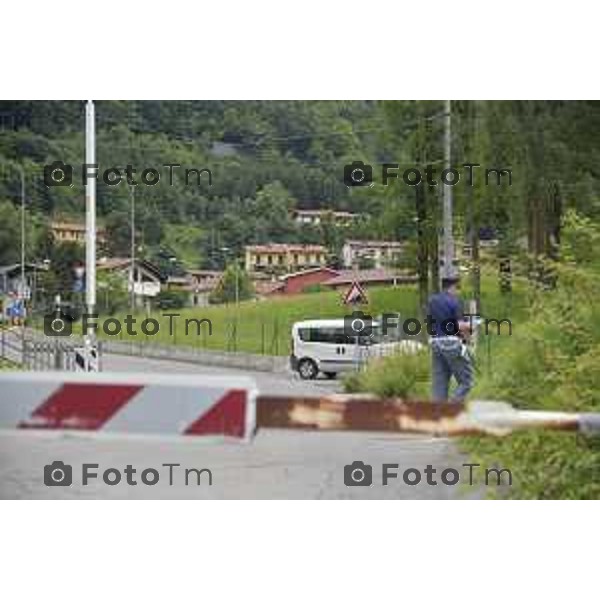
33	351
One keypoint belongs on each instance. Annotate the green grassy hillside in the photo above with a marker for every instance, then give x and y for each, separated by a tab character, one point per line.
264	326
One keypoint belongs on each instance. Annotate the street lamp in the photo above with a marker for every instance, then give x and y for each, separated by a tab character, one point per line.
132	242
21	293
226	250
132	195
22	171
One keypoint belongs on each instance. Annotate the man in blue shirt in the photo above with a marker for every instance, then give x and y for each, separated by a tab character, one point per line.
449	356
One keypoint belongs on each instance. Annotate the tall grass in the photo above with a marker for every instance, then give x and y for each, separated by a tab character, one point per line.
264	327
551	362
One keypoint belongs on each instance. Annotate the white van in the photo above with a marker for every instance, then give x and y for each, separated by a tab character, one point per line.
322	346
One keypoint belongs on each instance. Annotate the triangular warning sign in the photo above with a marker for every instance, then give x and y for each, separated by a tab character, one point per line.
356	295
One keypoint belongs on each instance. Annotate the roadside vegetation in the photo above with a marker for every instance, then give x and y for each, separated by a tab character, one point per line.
264	327
552	362
7	365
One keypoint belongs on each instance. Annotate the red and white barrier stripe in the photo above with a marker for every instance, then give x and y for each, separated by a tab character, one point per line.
128	402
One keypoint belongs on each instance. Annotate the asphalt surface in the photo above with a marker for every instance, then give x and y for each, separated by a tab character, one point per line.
268	383
276	464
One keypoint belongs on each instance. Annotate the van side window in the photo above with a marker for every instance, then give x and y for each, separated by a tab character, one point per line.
324	335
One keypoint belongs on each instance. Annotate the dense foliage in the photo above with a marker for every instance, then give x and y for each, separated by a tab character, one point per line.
267	157
551	362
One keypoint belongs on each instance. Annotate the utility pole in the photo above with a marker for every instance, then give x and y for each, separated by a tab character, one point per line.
90	225
448	240
22	294
132	194
237	286
22	172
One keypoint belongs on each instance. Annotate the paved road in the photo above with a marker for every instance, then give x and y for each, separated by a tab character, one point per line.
268	383
276	464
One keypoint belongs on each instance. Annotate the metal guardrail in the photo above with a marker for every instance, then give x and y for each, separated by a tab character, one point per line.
36	352
190	354
51	355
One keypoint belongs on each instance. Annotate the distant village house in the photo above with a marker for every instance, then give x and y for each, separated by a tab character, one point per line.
145	277
64	231
369	278
380	253
284	257
197	284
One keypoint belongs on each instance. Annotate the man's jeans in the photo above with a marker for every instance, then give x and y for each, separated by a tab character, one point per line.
448	358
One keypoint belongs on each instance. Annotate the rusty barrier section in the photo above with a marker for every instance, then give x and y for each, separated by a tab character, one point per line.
367	413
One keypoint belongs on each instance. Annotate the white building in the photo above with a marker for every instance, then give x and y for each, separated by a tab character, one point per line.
145	277
381	253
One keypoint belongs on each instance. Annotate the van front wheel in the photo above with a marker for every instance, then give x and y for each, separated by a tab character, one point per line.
307	369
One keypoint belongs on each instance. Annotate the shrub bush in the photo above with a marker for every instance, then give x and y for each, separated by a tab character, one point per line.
397	376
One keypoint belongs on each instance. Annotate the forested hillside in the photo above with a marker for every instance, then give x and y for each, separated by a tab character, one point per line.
267	157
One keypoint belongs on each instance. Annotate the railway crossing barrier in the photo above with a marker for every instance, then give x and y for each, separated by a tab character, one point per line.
368	413
231	406
128	403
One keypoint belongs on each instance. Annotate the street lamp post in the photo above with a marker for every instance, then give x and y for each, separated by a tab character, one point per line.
132	195
22	172
227	251
132	251
237	285
22	294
